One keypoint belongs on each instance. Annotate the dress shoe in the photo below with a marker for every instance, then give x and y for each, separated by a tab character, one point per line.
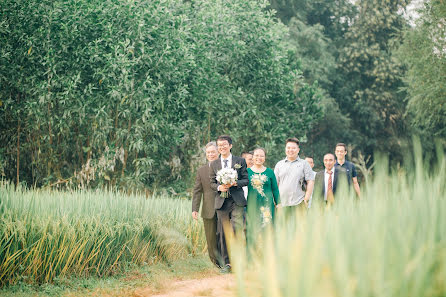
226	269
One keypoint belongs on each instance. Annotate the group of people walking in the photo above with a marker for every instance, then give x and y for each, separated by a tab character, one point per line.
253	199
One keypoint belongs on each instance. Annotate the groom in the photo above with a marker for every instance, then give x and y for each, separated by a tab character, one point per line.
229	210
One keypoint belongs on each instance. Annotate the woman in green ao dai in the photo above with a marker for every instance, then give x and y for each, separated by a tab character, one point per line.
263	194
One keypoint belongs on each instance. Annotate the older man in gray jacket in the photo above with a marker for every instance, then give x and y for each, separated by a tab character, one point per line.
204	193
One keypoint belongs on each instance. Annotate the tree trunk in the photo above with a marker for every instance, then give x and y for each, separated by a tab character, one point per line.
209	127
50	156
18	154
124	165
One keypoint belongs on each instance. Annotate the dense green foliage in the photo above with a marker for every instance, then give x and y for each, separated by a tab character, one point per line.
374	88
46	235
392	242
366	62
125	93
424	54
317	30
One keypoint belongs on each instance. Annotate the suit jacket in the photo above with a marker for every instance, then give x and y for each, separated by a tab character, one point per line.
340	177
236	193
202	189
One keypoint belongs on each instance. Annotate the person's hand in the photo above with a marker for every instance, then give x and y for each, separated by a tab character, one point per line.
223	188
278	206
195	215
306	201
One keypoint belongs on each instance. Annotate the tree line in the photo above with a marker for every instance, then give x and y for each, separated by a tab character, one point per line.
125	93
382	71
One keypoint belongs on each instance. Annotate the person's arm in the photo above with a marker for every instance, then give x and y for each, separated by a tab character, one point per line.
197	196
310	186
355	181
213	177
275	189
309	178
215	185
243	177
276	173
356	186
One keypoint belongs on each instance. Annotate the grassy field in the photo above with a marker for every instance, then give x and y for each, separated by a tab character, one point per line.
47	236
392	242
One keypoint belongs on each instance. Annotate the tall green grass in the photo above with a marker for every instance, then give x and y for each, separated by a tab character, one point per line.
48	235
392	242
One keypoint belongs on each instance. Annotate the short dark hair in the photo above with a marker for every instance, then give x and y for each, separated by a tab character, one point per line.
334	157
248	153
225	137
292	139
341	144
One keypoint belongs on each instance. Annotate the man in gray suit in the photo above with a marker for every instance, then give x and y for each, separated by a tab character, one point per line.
229	210
203	192
329	180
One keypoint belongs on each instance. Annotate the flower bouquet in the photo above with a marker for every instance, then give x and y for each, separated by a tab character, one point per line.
265	214
226	176
257	181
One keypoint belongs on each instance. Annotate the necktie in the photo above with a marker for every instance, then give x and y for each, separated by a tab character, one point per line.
226	163
330	196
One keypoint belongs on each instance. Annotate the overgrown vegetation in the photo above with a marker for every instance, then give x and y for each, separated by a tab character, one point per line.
424	54
47	235
123	94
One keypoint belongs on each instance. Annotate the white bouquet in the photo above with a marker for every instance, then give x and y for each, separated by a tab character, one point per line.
226	176
257	181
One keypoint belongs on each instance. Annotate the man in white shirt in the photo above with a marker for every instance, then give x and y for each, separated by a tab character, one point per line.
291	174
249	162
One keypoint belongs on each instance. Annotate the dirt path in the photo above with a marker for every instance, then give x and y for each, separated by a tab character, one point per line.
215	286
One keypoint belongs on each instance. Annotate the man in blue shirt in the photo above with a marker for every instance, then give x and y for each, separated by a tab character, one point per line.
341	152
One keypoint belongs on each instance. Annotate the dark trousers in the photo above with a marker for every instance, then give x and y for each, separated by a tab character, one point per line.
210	230
230	214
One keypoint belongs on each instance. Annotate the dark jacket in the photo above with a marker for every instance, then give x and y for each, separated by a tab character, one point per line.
236	193
339	180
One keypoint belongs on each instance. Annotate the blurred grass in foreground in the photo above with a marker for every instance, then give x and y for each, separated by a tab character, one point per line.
392	242
50	235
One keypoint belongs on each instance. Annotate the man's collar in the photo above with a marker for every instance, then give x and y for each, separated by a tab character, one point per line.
337	163
297	159
229	157
332	170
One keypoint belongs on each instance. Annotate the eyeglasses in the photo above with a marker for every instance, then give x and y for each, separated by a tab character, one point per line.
223	145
